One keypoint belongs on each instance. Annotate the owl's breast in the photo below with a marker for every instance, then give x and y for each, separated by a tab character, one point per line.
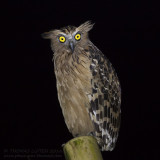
73	71
73	86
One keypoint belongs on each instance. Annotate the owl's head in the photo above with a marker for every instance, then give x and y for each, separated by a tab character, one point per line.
69	38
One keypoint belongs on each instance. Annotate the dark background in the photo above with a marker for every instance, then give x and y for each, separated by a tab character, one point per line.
125	31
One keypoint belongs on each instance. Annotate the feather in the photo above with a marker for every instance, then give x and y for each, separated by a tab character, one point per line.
108	94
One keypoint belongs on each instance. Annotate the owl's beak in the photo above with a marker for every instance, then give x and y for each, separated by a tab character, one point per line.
71	46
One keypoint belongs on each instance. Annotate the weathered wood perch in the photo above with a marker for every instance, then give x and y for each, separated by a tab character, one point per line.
82	148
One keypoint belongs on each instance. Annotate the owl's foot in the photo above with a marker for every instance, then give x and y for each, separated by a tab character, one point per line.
91	134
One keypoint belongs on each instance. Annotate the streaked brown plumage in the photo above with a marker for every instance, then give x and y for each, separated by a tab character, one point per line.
88	87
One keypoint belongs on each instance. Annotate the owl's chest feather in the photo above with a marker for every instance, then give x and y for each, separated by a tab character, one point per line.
73	86
73	71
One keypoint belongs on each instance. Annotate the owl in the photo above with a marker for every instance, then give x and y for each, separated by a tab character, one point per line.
88	88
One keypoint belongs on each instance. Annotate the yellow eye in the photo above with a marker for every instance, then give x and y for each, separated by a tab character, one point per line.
77	37
62	39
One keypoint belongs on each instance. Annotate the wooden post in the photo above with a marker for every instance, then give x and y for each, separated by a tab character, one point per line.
82	148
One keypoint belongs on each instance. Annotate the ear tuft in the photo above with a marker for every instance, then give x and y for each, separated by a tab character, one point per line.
47	35
86	27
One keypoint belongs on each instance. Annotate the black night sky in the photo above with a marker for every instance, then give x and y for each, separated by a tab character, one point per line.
125	31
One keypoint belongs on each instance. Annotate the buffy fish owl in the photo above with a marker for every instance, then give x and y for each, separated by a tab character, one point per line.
88	88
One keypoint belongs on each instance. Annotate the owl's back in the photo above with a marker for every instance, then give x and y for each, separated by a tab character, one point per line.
105	100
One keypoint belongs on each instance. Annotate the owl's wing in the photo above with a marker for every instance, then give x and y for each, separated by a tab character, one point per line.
105	100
